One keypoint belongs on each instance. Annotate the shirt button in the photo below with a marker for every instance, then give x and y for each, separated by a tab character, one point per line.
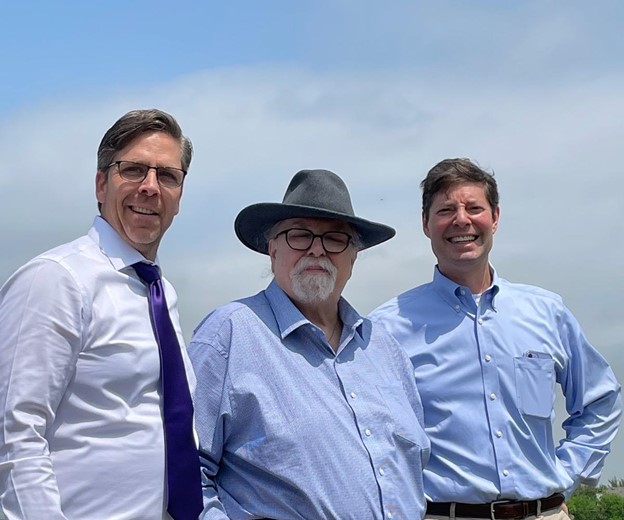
389	515
492	396
480	321
506	472
367	432
488	358
352	395
457	308
462	292
499	434
382	472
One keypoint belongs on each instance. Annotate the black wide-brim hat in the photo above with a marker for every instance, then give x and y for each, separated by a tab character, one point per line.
310	194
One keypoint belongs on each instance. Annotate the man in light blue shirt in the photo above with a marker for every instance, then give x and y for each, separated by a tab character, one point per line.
487	355
303	409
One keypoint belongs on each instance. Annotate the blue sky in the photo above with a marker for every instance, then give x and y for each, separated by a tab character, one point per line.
54	49
376	91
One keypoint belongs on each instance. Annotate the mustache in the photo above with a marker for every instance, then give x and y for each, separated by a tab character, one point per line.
306	261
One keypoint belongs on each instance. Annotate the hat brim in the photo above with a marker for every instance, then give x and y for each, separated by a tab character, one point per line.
254	221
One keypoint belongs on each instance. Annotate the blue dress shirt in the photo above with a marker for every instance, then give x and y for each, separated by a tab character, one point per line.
289	429
486	375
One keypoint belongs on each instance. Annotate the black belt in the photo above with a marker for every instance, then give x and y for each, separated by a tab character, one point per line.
502	509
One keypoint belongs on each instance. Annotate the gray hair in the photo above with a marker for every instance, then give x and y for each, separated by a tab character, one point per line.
137	122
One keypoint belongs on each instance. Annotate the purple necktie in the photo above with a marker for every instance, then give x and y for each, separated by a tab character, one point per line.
183	473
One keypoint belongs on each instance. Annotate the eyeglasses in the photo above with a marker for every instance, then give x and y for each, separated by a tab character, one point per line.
167	176
302	240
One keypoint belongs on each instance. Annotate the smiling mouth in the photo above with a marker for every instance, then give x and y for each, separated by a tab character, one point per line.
142	211
462	239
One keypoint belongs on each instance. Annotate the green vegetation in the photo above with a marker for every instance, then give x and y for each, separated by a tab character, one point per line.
599	503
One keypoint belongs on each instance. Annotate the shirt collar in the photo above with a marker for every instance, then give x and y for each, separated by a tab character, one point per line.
450	291
290	318
116	249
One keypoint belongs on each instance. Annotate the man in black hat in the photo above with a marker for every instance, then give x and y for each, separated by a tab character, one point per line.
303	408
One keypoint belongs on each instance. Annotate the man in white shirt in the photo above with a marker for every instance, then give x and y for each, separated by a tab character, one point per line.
81	405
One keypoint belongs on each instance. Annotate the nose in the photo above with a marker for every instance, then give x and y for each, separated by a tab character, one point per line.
150	185
461	217
316	249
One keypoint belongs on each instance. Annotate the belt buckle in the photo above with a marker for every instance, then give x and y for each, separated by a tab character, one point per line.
494	504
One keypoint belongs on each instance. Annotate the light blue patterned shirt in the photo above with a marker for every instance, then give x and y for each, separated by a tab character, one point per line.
289	429
487	377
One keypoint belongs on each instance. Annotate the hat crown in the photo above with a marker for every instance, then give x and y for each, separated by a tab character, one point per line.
320	189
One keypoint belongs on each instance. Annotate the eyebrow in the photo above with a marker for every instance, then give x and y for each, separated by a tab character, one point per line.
140	161
449	203
343	227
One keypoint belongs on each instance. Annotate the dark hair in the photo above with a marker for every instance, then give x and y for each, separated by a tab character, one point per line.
137	122
449	172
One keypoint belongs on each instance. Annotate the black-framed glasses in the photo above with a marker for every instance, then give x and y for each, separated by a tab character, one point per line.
167	176
302	239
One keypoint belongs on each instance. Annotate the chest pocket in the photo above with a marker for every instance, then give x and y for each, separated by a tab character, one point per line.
535	385
402	422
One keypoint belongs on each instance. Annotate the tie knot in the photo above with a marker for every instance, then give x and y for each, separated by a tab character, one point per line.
147	272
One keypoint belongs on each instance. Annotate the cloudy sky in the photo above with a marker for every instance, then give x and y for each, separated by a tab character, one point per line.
376	91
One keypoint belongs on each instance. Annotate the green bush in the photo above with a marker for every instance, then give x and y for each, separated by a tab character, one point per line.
599	503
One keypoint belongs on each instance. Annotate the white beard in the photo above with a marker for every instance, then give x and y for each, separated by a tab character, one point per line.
313	287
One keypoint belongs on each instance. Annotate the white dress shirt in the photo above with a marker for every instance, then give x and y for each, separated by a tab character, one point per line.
81	432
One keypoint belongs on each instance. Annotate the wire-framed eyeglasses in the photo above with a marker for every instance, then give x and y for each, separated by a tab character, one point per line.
302	239
167	176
